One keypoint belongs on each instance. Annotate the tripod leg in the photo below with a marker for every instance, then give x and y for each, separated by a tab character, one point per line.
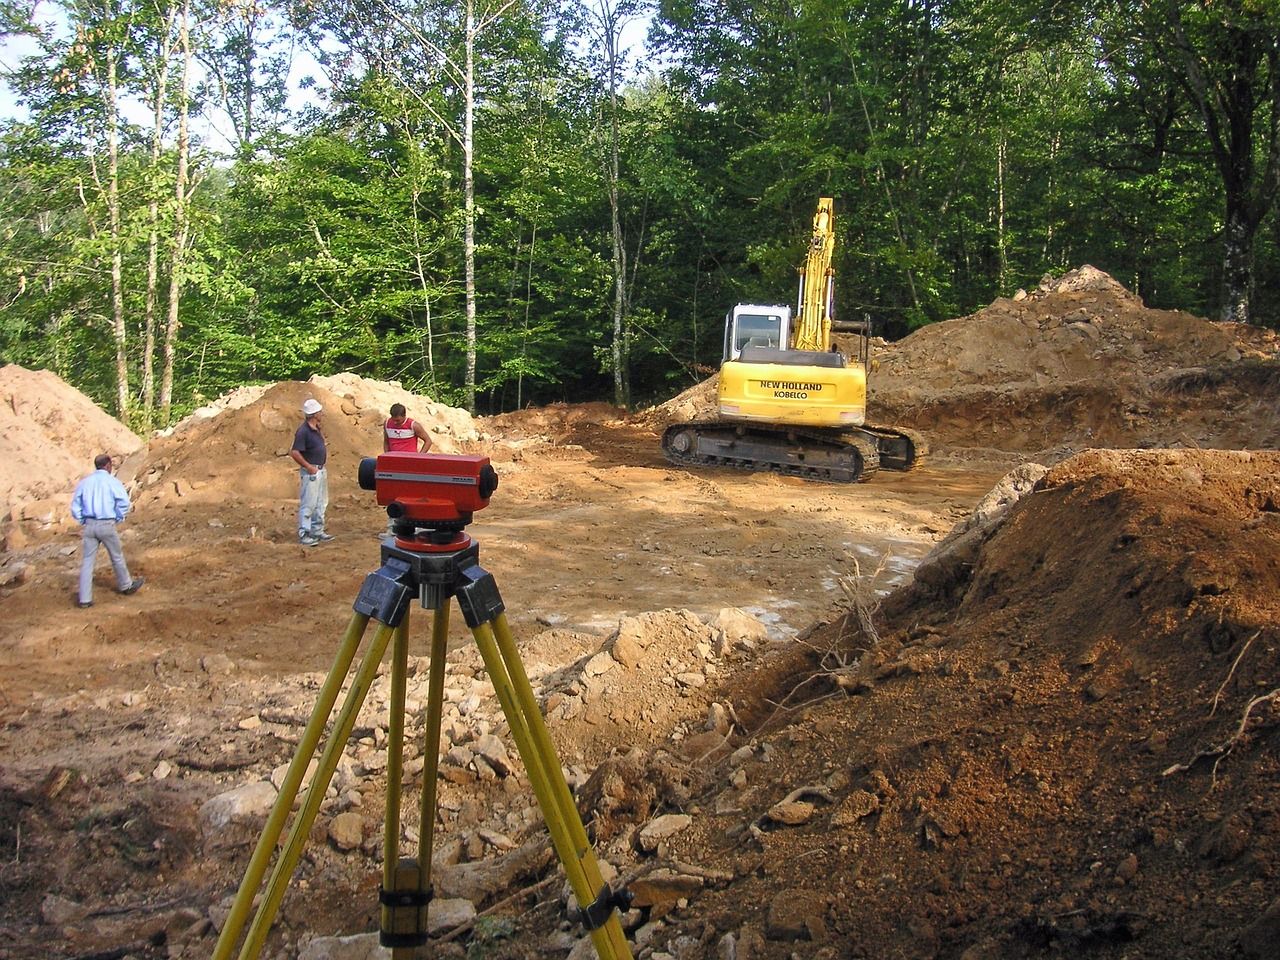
234	924
395	751
301	825
402	905
534	743
431	747
556	784
405	895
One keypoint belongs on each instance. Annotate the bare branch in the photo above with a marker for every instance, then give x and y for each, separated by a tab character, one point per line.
492	17
458	73
1223	749
1231	672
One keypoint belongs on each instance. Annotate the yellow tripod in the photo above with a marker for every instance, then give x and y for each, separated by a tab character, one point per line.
434	573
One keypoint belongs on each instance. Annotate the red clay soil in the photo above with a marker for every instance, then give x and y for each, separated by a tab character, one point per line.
1070	747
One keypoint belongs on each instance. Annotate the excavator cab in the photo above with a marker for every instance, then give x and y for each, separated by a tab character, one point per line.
750	324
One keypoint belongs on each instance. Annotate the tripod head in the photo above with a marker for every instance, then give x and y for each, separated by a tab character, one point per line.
430	497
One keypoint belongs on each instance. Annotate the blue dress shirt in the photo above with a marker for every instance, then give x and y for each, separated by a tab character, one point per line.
99	496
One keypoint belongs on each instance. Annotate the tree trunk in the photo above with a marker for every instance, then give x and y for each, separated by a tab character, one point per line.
251	13
426	293
180	218
1237	264
611	25
1230	70
117	254
1001	251
158	91
528	303
619	260
468	186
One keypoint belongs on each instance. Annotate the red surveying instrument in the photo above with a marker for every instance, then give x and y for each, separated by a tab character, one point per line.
430	498
433	492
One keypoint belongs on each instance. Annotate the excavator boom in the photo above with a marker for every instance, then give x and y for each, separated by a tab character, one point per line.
814	304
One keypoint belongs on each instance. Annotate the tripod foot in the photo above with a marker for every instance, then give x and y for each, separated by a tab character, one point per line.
404	907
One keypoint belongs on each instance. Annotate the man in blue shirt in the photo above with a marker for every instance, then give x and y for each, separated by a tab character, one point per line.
310	454
99	503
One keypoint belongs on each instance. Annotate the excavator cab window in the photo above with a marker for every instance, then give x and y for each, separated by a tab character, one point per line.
757	329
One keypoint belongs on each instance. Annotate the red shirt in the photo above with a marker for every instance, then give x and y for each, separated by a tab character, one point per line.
400	437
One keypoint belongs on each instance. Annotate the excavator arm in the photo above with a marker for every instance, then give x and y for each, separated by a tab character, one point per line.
812	329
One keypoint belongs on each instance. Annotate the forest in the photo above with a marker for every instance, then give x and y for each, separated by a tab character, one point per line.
511	202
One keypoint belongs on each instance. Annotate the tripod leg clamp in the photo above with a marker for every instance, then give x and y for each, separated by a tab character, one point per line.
386	593
478	596
404	909
597	913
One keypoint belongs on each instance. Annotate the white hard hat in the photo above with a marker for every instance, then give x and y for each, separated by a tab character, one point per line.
311	406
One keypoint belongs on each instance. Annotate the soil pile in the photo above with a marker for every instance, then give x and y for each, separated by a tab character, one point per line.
555	423
1069	744
49	434
1080	362
238	448
699	402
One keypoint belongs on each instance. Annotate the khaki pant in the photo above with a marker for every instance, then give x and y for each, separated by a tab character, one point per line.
101	532
313	501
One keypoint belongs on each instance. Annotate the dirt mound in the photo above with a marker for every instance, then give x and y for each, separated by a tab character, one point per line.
699	402
49	434
240	450
1080	362
1073	745
555	422
231	400
451	425
1084	326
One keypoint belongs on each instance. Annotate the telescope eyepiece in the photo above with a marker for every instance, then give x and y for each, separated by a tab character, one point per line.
367	473
487	482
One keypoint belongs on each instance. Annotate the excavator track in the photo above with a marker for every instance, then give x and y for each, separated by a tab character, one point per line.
827	456
899	449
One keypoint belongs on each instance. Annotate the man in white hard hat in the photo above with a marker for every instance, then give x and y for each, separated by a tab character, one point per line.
310	454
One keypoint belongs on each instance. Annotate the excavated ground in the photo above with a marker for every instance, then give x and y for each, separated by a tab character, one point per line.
1059	736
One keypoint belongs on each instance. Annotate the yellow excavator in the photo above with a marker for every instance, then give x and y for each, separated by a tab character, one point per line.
790	401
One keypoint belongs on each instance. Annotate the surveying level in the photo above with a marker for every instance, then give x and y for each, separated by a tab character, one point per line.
430	498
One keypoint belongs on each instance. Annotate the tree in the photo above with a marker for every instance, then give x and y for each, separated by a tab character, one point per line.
606	20
249	69
182	186
1226	57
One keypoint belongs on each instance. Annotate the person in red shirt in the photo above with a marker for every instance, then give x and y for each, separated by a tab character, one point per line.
402	434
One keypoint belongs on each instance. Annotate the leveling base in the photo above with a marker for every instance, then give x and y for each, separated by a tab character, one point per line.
434	573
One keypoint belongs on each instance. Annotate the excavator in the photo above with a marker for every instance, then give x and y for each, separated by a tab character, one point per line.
790	401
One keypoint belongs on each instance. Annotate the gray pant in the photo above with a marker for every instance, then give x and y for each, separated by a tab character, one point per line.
101	532
313	500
